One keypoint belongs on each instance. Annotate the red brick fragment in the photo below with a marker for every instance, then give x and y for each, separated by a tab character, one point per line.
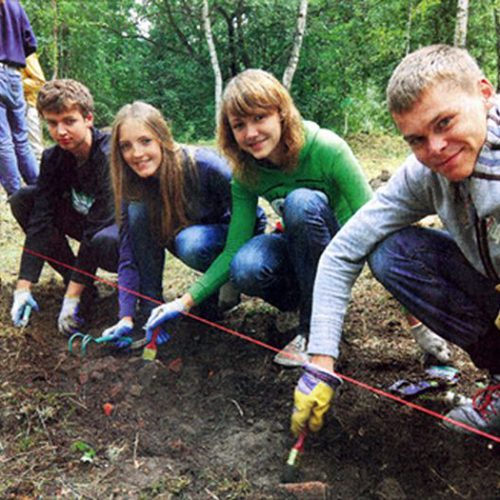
311	490
175	365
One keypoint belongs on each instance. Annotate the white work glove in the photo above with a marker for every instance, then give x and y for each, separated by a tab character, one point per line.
21	307
431	343
119	330
69	321
162	314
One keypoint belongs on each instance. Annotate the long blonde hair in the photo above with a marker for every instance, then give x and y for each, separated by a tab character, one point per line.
247	92
164	194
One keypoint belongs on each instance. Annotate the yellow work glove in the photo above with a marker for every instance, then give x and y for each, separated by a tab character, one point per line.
313	396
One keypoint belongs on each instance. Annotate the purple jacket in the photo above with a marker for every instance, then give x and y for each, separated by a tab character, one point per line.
17	40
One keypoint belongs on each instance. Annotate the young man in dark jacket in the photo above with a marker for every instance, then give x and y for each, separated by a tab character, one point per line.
73	197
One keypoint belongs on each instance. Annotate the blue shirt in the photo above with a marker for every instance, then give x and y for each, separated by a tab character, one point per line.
17	40
209	192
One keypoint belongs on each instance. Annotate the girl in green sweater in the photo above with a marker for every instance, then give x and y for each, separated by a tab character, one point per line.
310	178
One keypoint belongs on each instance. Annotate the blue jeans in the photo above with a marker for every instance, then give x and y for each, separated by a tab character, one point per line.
425	271
68	222
280	268
16	157
197	246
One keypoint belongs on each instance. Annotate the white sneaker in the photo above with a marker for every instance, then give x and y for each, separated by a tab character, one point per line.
293	355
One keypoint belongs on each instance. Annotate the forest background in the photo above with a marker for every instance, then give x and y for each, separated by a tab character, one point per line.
157	51
209	418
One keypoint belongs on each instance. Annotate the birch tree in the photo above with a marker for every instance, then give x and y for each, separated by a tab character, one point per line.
461	23
297	44
55	34
207	26
496	13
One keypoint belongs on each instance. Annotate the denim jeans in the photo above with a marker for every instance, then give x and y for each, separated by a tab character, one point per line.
68	222
197	246
425	271
280	268
16	157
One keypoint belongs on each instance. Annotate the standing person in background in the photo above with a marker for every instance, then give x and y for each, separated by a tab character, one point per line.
17	41
33	80
167	196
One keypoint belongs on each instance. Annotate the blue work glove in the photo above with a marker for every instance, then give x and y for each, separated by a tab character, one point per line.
21	307
162	337
121	329
161	314
69	321
313	396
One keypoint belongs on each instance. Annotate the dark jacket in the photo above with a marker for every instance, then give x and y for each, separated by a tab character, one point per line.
61	178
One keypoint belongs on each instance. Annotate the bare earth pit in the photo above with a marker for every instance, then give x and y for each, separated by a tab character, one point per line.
209	418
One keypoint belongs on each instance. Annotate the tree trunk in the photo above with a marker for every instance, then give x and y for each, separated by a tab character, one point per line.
496	13
461	23
297	44
409	26
55	34
213	57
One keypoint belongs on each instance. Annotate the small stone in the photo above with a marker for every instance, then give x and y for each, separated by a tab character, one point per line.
390	489
135	390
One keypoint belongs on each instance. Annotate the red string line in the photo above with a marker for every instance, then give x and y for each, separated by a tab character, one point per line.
370	388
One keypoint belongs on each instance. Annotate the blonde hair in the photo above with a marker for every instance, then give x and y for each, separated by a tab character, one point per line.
57	96
165	194
426	67
247	92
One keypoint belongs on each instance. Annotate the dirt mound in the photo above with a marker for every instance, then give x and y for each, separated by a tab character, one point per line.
209	418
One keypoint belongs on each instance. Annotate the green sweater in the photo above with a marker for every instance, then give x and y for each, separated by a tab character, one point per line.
326	163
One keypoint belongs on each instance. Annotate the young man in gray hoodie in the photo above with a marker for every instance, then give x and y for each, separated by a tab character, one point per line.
449	115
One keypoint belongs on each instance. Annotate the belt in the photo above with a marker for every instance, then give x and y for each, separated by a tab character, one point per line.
8	66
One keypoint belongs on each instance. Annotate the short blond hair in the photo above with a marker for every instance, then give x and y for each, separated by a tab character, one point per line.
57	96
426	67
244	95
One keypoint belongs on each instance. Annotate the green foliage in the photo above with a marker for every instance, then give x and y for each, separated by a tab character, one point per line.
87	452
155	50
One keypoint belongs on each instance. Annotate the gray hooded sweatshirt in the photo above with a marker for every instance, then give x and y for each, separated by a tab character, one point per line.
469	211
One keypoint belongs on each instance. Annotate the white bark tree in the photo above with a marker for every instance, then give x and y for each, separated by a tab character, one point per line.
297	44
461	23
496	14
55	33
207	26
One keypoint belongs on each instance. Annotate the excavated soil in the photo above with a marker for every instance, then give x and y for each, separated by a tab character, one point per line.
209	417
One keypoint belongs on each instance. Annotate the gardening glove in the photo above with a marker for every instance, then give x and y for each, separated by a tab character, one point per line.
162	337
121	329
161	314
21	307
431	343
69	322
313	395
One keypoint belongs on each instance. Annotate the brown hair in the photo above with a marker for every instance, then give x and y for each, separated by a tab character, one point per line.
165	194
57	96
247	92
